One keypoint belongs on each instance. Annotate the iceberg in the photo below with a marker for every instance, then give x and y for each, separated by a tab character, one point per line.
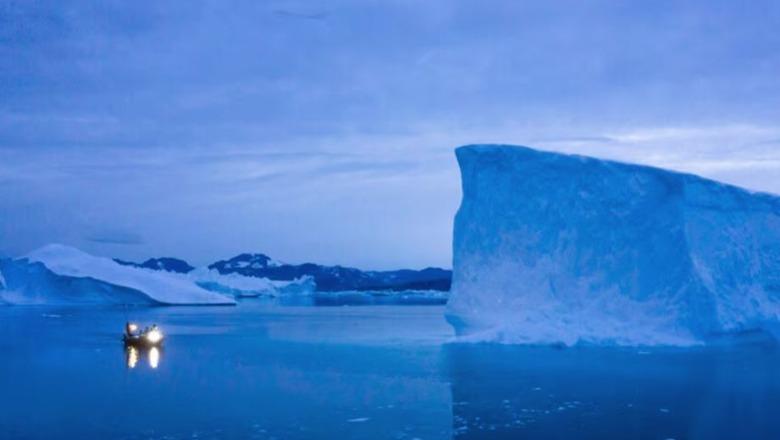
564	249
380	297
57	274
241	286
31	283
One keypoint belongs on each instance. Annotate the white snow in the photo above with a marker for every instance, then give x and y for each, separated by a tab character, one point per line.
553	248
239	285
58	274
232	282
161	287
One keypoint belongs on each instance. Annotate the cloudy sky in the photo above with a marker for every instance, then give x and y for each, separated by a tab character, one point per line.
323	131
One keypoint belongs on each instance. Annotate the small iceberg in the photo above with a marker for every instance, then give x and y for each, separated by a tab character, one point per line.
240	286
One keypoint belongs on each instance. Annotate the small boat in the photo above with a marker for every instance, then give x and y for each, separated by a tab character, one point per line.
148	337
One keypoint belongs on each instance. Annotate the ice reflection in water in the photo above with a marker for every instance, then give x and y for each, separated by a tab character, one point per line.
510	392
133	355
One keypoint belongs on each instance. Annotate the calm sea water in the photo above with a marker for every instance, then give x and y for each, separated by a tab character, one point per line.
374	372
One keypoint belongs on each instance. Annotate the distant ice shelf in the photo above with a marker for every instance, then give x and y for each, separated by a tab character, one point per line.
555	248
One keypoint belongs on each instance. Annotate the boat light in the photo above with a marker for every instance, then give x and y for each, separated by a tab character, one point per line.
154	336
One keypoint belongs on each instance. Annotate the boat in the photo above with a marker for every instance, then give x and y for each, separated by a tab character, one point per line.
148	337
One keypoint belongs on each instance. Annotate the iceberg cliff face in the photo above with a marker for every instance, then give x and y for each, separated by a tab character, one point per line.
32	283
553	248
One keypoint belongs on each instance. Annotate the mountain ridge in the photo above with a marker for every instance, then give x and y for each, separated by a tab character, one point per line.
327	278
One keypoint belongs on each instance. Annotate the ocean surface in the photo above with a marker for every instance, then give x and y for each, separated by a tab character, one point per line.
266	371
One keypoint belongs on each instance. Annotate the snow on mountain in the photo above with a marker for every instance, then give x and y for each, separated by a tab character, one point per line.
553	248
70	275
301	278
245	262
335	278
165	263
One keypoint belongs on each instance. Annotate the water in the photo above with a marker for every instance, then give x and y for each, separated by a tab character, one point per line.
380	372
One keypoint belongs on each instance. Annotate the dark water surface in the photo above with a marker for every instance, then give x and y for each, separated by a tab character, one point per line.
374	372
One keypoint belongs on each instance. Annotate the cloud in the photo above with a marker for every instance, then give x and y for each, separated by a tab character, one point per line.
115	237
284	13
575	139
218	126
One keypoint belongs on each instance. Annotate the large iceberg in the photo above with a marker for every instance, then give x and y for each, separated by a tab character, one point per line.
554	248
58	274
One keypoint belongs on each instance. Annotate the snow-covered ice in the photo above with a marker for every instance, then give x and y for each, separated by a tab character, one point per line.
244	286
68	275
57	274
554	248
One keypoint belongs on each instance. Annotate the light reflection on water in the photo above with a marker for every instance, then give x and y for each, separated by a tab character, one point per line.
134	354
154	357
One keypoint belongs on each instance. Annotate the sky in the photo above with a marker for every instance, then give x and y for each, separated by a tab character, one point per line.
324	131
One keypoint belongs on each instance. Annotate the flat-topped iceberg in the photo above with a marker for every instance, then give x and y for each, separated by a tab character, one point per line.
57	274
554	248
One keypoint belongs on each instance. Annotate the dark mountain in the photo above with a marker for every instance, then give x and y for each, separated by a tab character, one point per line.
164	263
336	278
327	278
